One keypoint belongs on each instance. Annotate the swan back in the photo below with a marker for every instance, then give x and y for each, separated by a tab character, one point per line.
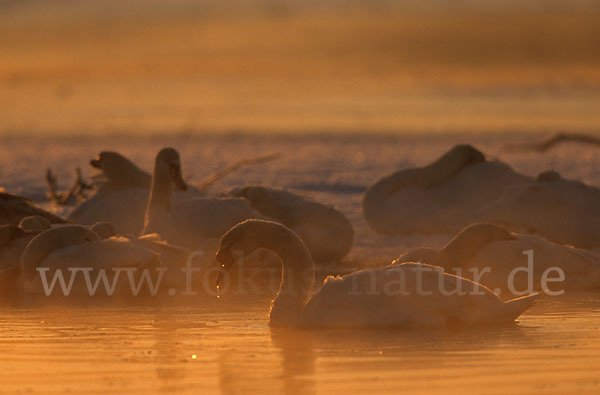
406	295
120	171
326	232
13	208
50	240
560	210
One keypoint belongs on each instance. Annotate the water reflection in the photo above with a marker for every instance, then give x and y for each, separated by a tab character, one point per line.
150	350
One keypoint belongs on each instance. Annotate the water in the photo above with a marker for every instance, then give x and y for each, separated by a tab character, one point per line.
554	348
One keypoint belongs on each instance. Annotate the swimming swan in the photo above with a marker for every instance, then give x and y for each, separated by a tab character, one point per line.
326	232
440	197
191	222
368	298
495	253
560	210
75	246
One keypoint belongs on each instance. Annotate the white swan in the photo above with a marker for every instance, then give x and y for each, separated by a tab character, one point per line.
173	257
440	197
191	222
120	171
75	246
326	232
14	208
122	195
13	240
493	249
368	298
557	209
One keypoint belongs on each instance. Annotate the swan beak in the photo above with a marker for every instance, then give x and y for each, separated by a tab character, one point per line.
226	260
177	178
96	163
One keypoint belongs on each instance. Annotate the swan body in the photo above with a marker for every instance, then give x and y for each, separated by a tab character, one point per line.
13	241
440	197
492	248
123	207
326	232
75	246
191	222
560	210
14	208
368	298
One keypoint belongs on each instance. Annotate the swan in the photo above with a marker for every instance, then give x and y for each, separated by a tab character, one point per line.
440	197
326	232
492	248
14	208
366	298
76	246
118	170
173	257
13	241
191	222
560	210
122	195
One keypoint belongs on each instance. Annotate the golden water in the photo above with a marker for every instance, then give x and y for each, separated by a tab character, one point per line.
229	348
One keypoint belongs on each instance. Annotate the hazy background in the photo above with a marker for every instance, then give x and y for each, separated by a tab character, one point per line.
149	66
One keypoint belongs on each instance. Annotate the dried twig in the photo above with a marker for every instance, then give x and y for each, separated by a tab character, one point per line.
209	181
61	198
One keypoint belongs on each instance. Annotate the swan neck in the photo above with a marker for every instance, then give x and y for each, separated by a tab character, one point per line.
160	190
297	280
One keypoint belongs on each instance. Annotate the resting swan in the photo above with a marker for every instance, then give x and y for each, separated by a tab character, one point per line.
368	298
191	222
121	197
560	210
326	232
173	257
14	208
75	246
499	252
120	171
440	197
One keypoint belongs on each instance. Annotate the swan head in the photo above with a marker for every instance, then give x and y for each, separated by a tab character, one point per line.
104	230
238	242
50	240
34	224
168	160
